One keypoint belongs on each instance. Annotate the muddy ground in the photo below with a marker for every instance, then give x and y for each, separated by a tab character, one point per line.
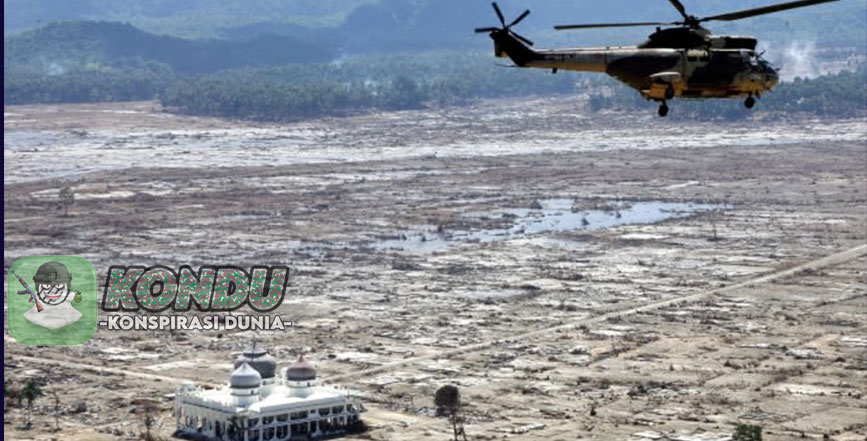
609	276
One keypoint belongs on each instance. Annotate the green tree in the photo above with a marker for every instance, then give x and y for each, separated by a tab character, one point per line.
448	402
747	432
31	392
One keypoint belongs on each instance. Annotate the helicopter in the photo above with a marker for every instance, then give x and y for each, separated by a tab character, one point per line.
685	61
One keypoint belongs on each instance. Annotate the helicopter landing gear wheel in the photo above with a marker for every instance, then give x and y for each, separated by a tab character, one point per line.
750	102
663	109
669	92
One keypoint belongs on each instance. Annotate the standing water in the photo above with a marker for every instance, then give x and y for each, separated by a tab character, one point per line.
551	215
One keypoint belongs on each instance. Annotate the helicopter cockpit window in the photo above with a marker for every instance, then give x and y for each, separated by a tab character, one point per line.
751	59
764	65
758	62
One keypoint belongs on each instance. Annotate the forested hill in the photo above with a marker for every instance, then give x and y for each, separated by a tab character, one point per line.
354	26
63	45
181	18
285	59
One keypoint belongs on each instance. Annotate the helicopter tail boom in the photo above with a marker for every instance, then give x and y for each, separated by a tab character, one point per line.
587	60
575	60
506	45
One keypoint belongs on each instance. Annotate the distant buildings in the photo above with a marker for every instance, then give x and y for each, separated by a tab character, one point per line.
257	405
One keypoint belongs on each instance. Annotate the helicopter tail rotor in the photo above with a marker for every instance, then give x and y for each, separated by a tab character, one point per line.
506	28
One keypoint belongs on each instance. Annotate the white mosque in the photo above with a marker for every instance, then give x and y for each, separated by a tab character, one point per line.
256	405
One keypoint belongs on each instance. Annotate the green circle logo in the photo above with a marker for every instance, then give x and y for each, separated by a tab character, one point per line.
51	300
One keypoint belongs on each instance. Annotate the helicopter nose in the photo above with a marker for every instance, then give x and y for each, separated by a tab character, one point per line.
772	78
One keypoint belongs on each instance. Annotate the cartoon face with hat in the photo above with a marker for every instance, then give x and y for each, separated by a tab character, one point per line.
53	308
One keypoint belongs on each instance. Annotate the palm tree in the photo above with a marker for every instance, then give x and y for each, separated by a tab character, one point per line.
67	198
32	390
150	412
56	410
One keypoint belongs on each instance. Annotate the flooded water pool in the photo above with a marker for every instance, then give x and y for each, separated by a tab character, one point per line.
547	216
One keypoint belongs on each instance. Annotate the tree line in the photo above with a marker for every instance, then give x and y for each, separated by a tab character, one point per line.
392	81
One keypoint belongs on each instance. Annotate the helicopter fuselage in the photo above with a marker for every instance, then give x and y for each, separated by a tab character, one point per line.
658	73
681	61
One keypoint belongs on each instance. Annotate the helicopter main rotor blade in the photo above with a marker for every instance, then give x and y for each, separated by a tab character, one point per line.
764	10
679	6
486	30
499	14
520	17
616	25
522	38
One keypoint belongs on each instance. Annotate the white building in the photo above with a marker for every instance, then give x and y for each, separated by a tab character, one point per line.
257	405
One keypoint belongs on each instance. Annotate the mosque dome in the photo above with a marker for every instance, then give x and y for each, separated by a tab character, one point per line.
301	370
245	377
259	359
